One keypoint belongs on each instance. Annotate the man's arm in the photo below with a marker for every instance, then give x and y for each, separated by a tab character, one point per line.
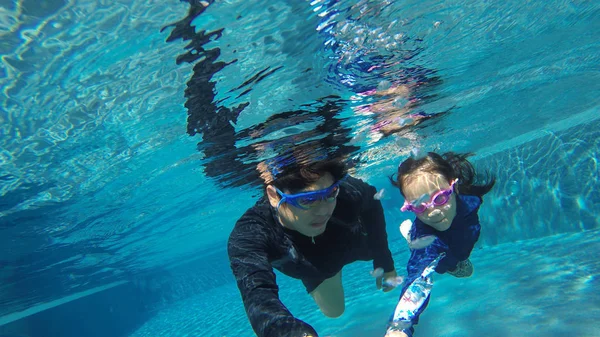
248	256
374	222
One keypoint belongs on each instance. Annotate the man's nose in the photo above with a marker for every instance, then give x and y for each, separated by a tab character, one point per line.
322	207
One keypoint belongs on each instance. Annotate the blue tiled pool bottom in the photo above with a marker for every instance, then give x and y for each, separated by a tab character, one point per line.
542	287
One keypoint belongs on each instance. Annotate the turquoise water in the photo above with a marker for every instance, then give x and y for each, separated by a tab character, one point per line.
111	172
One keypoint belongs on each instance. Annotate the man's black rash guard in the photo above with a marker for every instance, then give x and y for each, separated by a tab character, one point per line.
259	243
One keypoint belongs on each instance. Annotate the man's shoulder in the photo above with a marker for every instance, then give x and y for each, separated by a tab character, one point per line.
253	229
258	215
356	188
354	181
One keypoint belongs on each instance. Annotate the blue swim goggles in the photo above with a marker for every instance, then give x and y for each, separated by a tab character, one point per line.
306	200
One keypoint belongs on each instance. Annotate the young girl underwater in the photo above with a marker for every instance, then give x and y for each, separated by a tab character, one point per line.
445	192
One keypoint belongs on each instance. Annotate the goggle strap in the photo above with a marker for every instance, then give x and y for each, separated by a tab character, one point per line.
279	203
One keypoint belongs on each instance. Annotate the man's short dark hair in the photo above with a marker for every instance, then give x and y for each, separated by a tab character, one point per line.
297	176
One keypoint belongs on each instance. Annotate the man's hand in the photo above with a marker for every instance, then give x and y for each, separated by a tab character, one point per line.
388	281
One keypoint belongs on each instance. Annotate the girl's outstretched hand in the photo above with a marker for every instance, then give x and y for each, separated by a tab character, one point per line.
395	333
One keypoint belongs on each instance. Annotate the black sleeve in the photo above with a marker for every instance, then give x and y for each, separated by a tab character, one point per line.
248	255
374	222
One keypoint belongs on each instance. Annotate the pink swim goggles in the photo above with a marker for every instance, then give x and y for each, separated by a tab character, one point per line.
438	199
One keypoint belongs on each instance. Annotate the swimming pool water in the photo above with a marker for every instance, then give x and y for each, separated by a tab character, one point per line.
127	158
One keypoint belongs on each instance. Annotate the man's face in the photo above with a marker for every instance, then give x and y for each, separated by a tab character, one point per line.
311	221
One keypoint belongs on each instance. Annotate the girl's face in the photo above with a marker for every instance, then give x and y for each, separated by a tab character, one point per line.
421	189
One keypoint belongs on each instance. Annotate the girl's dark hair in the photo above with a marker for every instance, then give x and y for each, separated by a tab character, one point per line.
451	166
298	176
